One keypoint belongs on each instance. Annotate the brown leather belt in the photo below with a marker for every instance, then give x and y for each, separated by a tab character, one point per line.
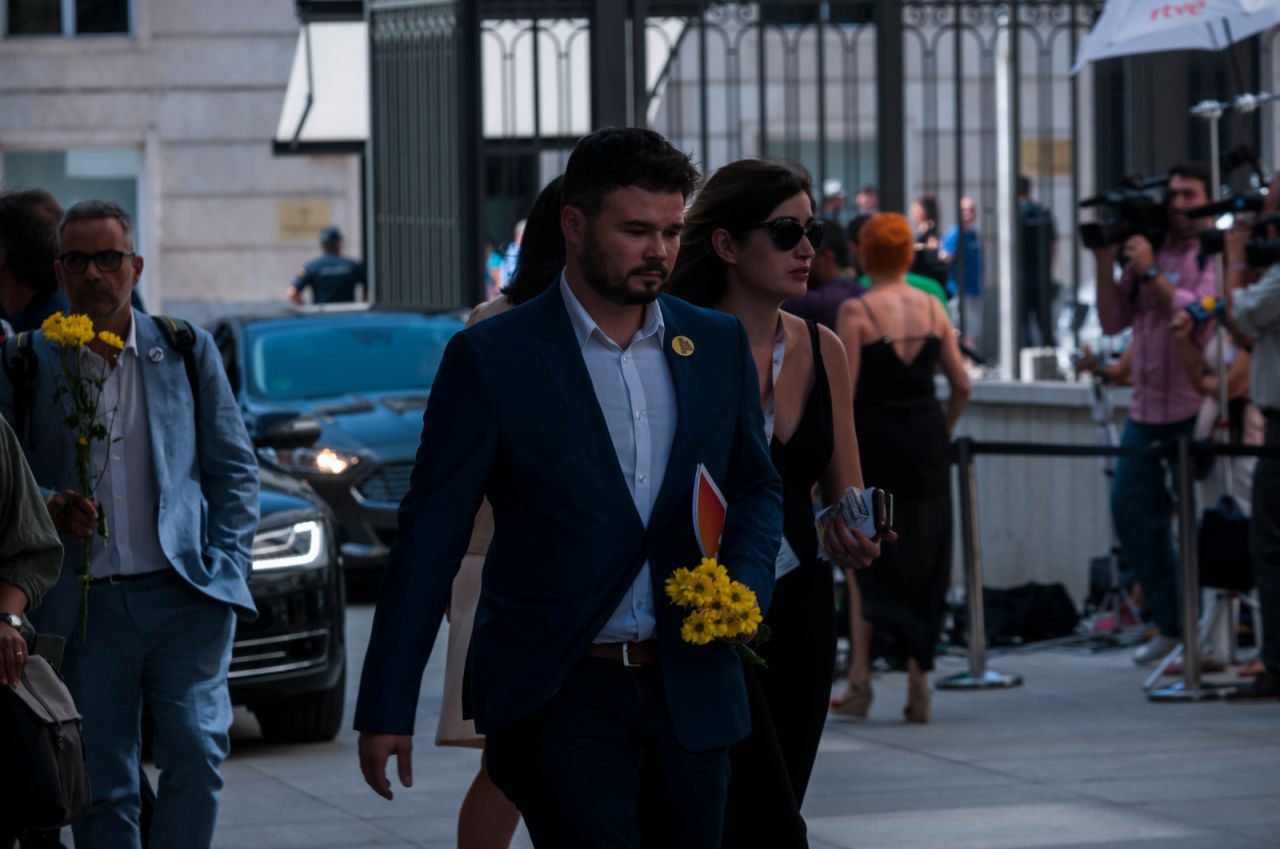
628	654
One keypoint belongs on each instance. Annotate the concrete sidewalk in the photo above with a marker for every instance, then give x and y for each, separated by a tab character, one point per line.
1077	757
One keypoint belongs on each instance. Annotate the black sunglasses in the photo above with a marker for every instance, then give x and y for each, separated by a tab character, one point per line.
786	232
107	261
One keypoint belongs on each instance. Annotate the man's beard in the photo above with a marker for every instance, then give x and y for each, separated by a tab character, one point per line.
599	274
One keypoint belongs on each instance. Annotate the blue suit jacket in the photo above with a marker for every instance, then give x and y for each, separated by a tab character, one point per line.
208	492
513	416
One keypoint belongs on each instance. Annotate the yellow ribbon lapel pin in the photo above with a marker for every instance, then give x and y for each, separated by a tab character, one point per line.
683	346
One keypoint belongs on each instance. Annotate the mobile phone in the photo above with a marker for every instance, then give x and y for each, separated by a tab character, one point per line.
882	510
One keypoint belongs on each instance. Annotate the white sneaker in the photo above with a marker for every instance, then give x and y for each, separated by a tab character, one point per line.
1154	650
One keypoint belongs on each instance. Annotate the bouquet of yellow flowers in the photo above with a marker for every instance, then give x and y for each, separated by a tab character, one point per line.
719	608
87	421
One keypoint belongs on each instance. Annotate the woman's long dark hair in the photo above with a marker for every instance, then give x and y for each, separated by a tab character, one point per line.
735	198
541	249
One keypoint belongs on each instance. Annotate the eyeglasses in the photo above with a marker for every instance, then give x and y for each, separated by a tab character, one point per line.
786	232
107	261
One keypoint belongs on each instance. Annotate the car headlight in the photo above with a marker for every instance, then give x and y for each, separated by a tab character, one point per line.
325	461
297	546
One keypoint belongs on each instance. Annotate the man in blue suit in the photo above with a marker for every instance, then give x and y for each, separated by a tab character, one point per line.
582	416
180	499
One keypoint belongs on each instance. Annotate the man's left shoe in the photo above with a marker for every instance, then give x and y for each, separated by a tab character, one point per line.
1264	686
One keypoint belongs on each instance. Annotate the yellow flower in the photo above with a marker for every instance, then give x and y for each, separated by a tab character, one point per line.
747	621
52	328
697	629
713	571
74	330
82	440
740	597
111	339
715	608
79	329
679	588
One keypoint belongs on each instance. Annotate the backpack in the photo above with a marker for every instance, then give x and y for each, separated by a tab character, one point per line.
19	363
46	782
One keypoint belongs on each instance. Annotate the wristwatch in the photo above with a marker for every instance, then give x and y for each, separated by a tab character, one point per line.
1151	273
12	619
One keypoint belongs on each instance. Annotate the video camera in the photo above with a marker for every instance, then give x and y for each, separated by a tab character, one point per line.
1135	208
1259	252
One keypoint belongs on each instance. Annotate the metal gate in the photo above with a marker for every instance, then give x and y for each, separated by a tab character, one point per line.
424	168
476	105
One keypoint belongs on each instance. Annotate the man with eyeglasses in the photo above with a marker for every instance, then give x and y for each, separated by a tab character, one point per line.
177	482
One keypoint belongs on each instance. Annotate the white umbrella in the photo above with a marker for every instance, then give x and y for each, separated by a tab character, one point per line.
1129	27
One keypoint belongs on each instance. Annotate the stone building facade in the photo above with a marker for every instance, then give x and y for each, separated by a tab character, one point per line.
173	117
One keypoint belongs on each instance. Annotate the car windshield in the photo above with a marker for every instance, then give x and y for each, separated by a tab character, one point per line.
315	359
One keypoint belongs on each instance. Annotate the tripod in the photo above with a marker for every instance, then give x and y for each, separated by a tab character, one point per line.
1109	629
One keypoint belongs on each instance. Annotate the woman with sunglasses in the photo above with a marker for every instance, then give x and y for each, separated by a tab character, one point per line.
896	337
747	246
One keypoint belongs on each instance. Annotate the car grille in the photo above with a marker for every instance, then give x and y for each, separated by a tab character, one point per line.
285	653
387	486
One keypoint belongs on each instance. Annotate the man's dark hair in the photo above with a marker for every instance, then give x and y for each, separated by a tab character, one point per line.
94	210
1193	171
854	226
541	250
1024	186
28	226
616	157
833	239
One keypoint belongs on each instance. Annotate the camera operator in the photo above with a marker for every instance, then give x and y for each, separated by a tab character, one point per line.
1255	310
1154	286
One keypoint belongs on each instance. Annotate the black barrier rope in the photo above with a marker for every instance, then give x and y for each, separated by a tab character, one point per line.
964	451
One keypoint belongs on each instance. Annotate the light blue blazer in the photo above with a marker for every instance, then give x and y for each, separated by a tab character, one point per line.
207	484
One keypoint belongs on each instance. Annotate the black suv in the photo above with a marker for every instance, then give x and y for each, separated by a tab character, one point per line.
364	376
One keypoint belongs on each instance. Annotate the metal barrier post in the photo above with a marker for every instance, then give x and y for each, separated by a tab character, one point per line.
1190	688
978	677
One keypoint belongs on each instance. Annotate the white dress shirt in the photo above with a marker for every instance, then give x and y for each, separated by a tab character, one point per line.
637	396
127	491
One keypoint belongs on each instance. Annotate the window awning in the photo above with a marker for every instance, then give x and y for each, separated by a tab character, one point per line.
326	105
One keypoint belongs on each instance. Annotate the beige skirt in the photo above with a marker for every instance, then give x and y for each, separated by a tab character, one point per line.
453	730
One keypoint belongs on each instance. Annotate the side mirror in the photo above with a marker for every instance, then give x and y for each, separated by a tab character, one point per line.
285	430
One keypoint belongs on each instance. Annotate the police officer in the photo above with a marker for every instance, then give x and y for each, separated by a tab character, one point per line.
333	277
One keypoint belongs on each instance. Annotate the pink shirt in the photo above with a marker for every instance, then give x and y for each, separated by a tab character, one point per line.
1162	394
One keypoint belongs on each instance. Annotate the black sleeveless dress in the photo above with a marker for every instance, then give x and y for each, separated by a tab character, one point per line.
905	449
789	698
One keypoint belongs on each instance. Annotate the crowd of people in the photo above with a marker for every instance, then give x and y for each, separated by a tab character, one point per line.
659	331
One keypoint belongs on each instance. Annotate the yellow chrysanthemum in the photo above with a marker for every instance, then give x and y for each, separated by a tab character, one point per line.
715	607
739	596
82	441
111	339
747	621
52	328
79	329
713	571
680	588
697	629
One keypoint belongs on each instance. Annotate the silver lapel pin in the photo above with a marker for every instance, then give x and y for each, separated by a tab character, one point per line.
156	355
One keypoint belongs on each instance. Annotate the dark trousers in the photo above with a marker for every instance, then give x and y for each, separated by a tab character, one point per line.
789	700
1142	510
1266	545
598	766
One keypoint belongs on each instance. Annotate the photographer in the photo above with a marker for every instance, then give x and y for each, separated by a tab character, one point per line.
1155	285
1255	310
